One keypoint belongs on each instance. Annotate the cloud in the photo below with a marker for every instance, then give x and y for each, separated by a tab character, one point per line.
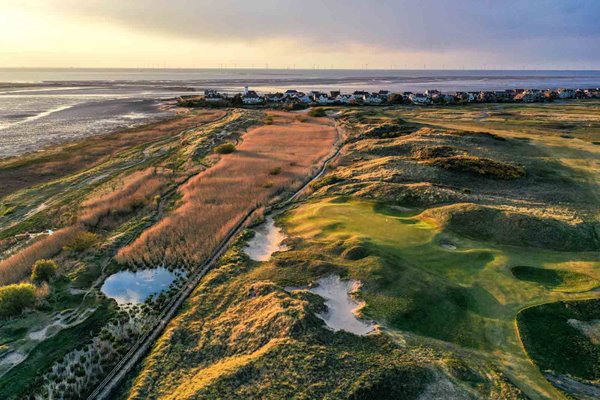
510	30
399	24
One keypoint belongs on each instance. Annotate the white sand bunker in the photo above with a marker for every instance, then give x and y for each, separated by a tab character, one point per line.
266	241
341	307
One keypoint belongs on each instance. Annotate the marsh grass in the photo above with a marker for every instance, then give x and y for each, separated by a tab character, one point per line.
19	266
138	190
215	200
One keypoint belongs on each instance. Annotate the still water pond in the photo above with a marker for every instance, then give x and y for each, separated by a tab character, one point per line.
135	287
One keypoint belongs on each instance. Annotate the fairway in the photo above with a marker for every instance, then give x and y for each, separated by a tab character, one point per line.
435	284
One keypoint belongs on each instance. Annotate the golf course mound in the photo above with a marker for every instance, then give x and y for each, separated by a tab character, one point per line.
556	338
434	152
357	252
513	228
394	129
555	279
422	194
479	166
478	135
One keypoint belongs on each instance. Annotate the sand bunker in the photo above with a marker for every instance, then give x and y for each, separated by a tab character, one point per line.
266	241
341	307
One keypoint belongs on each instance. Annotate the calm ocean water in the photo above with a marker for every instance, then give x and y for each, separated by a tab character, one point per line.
39	107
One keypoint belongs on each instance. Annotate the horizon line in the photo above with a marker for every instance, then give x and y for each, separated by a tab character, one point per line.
298	69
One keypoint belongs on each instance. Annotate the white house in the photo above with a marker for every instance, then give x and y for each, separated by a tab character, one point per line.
344	98
211	95
419	98
291	93
359	95
372	99
303	98
324	99
565	93
251	97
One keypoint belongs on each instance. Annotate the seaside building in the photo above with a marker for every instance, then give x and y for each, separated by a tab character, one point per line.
251	97
419	98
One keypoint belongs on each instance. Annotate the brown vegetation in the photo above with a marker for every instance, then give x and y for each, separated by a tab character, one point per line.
216	199
20	172
139	190
18	266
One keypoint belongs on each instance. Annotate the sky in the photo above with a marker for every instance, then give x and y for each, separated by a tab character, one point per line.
373	34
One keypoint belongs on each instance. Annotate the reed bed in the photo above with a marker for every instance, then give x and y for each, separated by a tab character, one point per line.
18	266
216	199
138	190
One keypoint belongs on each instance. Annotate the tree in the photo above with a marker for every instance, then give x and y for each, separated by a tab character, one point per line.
16	298
43	271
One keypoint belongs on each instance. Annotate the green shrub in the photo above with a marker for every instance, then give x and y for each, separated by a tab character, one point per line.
43	271
16	298
275	171
225	148
317	112
325	181
82	242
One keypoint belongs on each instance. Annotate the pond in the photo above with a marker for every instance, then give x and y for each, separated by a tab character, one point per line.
128	287
266	241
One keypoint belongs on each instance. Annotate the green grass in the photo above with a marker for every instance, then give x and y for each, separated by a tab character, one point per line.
413	280
20	379
556	345
559	280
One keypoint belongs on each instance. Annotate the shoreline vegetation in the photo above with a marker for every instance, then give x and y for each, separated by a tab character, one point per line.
449	221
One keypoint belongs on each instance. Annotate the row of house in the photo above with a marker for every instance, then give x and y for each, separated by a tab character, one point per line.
251	97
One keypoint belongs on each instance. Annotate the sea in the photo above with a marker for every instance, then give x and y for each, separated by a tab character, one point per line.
41	107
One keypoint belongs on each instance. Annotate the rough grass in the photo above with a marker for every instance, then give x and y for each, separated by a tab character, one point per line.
138	190
241	336
479	166
558	280
513	228
215	200
555	344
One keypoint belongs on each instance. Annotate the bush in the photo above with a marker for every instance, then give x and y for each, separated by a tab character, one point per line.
82	242
317	112
43	271
275	171
225	148
16	298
